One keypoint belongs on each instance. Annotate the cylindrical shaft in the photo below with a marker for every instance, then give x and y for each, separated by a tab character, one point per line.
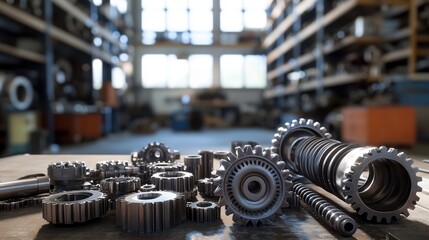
24	187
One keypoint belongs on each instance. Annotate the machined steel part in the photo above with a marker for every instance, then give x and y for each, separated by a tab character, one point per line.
154	152
148	212
182	182
219	155
291	133
118	186
337	219
194	165
176	155
66	176
206	163
17	203
241	144
294	200
379	183
114	168
202	211
74	207
165	167
252	184
24	188
206	187
148	188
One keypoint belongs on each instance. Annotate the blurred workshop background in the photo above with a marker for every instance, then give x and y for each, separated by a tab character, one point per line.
98	76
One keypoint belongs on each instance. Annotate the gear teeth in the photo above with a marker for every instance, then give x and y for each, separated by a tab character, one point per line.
239	152
248	150
258	150
236	218
267	152
254	222
217	181
231	157
222	201
225	163
281	165
220	172
228	211
275	159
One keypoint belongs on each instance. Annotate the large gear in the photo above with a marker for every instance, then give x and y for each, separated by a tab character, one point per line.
74	207
390	189
165	167
119	186
206	187
252	185
154	152
202	211
66	176
182	182
291	133
148	212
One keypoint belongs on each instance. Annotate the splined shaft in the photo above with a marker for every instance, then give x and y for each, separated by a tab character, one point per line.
337	219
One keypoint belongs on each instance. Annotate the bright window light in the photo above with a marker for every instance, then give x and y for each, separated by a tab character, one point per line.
231	21
255	19
201	38
153	20
254	4
177	20
200	71
201	21
177	4
122	6
200	4
178	72
231	70
149	38
255	71
97	2
232	4
153	4
154	70
118	78
97	74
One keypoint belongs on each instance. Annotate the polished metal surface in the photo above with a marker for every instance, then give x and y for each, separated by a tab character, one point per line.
252	185
154	152
118	186
74	207
114	168
202	211
206	163
337	219
194	165
182	182
66	176
165	167
148	212
206	187
24	188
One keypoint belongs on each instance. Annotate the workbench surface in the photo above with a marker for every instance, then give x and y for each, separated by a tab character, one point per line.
296	223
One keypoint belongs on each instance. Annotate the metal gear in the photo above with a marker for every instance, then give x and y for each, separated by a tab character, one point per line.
194	165
375	199
148	188
154	152
66	176
252	185
202	211
206	187
74	207
114	168
165	167
182	182
148	212
288	135
206	163
17	203
119	186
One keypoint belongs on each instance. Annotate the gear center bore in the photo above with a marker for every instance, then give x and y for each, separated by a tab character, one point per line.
73	197
254	188
148	196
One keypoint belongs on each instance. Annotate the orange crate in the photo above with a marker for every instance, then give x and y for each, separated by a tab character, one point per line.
391	125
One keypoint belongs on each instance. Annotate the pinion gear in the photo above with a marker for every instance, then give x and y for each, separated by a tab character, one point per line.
155	152
252	185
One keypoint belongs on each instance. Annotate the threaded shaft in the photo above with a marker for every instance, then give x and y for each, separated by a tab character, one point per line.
337	219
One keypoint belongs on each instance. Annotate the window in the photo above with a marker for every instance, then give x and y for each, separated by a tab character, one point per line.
238	71
97	74
118	78
185	21
160	71
239	15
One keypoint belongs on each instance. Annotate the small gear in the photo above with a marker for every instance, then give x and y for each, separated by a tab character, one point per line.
206	163
194	165
12	204
66	176
165	167
148	212
148	188
202	211
74	207
154	152
182	182
252	185
206	187
291	133
119	186
114	168
375	199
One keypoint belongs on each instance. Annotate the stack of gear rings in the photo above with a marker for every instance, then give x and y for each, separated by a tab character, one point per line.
66	176
252	184
119	186
110	169
182	182
148	212
202	211
20	92
368	178
206	187
206	164
74	207
165	167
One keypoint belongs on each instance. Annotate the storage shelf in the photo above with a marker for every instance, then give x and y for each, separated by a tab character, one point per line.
396	55
331	81
311	57
85	19
21	53
277	10
335	15
287	22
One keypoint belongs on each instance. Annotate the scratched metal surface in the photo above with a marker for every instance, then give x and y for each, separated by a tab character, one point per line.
299	223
